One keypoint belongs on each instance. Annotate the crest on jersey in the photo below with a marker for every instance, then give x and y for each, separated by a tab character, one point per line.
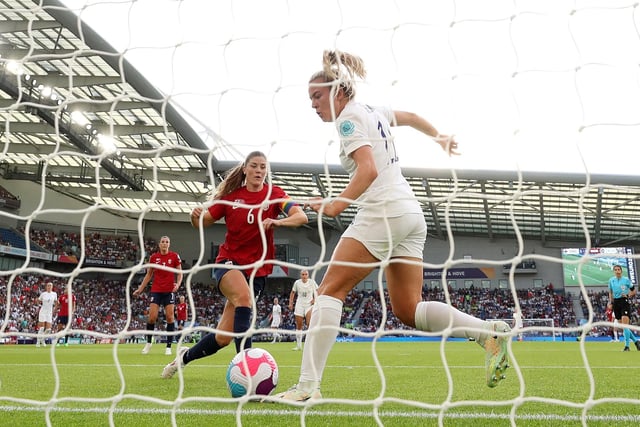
237	203
347	128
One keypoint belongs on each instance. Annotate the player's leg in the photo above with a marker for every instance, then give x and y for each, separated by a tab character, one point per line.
40	329
206	346
299	326
151	323
169	313
626	333
47	328
235	287
327	312
404	282
60	324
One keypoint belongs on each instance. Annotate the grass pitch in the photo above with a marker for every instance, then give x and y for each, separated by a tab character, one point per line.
390	383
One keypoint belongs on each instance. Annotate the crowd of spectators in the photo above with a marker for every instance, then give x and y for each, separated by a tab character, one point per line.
102	307
102	303
481	303
97	245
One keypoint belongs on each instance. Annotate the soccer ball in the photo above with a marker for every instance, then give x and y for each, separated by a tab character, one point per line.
252	371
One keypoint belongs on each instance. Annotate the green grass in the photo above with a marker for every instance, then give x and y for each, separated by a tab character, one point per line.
548	385
593	273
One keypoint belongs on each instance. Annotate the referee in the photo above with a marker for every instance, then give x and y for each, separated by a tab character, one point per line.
620	290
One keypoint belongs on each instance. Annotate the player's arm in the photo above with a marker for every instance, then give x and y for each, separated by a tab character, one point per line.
295	218
632	291
178	279
610	295
405	118
292	297
364	175
205	214
145	282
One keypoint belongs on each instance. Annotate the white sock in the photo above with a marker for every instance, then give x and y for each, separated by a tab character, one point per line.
299	338
321	335
39	339
433	316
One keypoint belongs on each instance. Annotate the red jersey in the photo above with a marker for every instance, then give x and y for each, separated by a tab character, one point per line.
163	280
64	304
181	311
609	314
243	242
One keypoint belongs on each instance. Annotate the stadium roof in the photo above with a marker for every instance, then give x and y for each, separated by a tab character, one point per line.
77	115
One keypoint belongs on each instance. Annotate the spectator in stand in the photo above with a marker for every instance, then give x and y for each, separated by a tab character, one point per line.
67	308
166	281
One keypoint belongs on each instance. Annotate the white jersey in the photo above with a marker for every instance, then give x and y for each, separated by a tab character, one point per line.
305	292
276	315
517	320
390	194
48	300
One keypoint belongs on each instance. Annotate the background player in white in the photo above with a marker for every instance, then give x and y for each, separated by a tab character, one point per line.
276	318
517	323
305	289
49	300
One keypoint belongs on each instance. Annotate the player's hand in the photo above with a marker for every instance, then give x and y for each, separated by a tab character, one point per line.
331	209
195	216
448	144
270	223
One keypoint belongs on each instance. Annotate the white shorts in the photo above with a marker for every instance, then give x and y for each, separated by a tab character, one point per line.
407	238
275	323
45	316
302	309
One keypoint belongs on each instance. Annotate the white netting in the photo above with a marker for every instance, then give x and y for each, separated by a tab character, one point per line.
550	86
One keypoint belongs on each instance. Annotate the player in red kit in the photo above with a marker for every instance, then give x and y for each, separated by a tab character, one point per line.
252	208
166	282
181	312
612	318
66	308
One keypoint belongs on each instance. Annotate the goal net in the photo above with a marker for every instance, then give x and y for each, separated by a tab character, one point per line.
121	116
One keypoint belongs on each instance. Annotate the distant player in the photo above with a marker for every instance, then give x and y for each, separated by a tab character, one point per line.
517	323
64	313
165	283
305	289
620	290
49	300
612	318
182	310
276	318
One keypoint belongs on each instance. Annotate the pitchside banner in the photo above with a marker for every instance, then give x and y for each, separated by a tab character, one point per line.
460	273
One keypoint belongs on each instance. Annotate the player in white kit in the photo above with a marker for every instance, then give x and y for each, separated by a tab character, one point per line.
49	300
305	289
